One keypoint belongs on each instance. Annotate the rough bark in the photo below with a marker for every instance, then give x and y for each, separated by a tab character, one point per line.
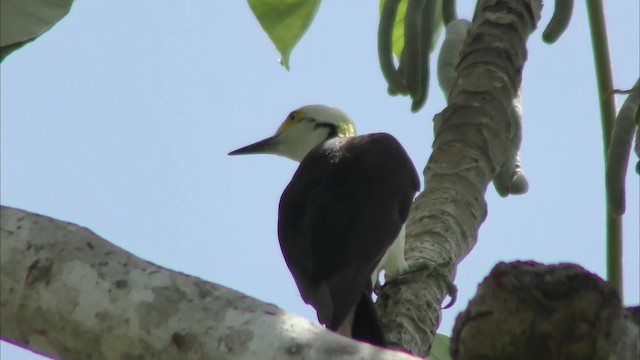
475	136
67	293
529	311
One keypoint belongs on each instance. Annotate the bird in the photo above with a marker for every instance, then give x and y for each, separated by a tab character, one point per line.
341	218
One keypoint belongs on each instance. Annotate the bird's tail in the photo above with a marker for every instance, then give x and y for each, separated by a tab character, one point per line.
366	322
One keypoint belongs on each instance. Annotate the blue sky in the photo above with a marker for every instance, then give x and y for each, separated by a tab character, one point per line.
121	117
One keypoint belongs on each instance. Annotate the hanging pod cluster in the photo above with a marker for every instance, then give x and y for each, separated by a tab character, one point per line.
422	21
414	26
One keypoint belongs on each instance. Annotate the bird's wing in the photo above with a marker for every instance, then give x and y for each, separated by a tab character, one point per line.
341	211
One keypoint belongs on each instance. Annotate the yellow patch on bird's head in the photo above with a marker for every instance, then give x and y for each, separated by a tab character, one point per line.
292	119
346	127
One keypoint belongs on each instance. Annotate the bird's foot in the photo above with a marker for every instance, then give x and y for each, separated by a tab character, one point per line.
423	266
377	288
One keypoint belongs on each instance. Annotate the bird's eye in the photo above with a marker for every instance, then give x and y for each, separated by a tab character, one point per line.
291	116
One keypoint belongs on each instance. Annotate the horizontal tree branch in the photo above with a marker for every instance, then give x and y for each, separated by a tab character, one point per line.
68	293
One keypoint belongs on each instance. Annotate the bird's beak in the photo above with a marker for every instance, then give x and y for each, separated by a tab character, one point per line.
266	146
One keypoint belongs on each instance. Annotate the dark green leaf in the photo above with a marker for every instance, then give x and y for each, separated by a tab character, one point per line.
21	21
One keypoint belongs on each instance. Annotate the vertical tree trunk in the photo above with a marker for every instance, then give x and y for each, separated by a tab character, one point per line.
475	136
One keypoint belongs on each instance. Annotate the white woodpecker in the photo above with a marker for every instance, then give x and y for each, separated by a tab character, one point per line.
339	216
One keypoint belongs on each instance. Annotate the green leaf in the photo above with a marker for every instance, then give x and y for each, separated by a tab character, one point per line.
21	21
285	21
440	348
398	27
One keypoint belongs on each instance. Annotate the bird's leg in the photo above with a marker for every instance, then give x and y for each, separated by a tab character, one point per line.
423	266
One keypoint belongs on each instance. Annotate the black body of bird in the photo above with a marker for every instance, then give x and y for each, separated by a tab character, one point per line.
342	210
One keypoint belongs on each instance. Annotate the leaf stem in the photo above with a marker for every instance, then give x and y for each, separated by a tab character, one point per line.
604	77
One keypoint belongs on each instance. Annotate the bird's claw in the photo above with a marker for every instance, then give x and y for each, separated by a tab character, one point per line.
377	288
430	267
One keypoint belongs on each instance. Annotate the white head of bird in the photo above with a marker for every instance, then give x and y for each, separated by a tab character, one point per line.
302	130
